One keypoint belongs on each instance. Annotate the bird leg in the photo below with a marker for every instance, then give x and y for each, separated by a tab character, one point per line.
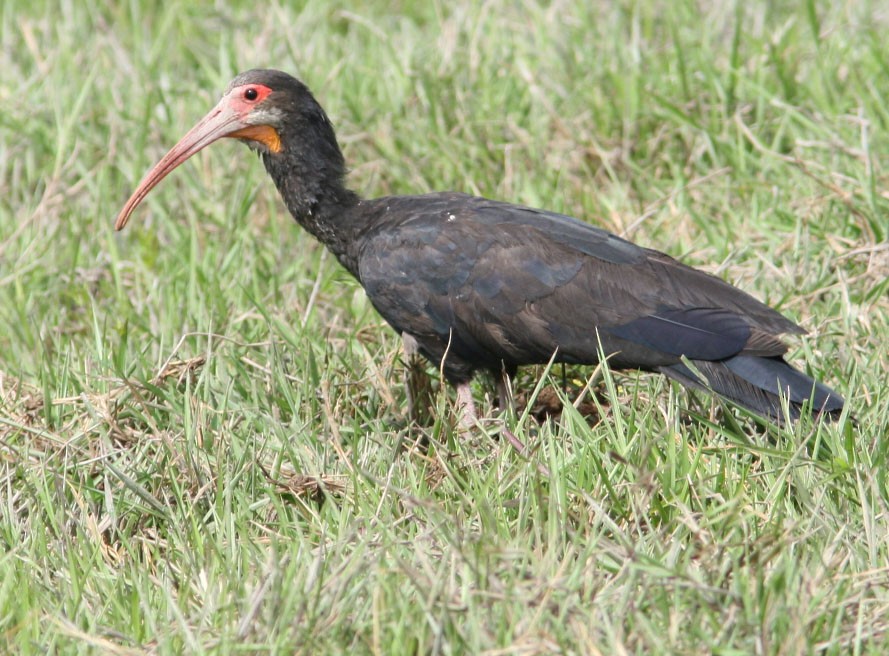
466	407
468	416
417	385
503	384
410	347
419	393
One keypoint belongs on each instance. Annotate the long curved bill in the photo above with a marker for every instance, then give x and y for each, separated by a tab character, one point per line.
222	121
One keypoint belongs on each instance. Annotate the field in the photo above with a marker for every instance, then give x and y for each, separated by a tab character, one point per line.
204	443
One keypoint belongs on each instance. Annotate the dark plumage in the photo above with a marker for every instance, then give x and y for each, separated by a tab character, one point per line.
486	285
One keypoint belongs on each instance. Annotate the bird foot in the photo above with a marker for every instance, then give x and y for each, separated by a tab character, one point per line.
522	450
466	408
469	419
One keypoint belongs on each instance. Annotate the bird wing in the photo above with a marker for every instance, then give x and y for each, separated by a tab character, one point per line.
491	282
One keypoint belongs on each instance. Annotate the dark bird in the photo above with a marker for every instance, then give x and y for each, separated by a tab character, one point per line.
476	284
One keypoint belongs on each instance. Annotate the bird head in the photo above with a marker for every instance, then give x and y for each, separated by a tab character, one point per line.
255	108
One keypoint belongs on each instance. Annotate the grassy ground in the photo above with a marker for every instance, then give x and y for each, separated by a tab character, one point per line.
203	446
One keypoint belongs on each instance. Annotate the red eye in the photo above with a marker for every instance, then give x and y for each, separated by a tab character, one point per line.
251	94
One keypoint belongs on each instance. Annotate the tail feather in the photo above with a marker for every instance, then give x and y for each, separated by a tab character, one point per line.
760	384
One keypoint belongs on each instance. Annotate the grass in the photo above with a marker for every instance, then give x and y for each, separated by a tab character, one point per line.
203	445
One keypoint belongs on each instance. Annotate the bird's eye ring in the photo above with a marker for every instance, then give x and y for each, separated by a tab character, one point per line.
251	94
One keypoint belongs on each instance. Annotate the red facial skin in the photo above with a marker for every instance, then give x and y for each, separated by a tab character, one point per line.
230	118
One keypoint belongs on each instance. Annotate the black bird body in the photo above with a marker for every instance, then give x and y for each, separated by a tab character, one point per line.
486	285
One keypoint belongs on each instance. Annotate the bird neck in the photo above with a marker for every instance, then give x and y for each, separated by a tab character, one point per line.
314	191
